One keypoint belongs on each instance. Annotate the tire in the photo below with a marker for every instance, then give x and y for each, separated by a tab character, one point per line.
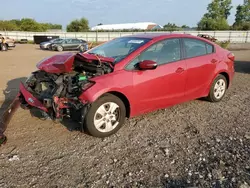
81	49
96	124
219	83
4	47
59	48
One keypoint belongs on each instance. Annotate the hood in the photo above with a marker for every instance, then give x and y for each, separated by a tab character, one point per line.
63	63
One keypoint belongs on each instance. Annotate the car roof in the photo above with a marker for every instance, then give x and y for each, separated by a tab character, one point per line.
159	35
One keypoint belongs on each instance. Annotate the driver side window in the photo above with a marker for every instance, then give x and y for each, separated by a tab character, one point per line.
67	41
163	52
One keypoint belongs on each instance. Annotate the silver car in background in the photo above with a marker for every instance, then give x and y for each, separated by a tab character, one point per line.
45	45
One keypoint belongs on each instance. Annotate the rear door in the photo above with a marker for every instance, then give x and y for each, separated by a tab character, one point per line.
163	86
201	62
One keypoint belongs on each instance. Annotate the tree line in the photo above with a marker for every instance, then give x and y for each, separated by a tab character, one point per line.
216	18
26	24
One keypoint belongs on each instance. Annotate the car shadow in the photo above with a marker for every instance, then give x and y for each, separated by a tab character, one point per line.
10	92
242	66
68	123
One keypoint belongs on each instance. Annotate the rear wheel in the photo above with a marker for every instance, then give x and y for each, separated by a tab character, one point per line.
105	116
59	48
218	89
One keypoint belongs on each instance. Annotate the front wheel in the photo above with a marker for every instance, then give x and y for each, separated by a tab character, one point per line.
218	89
81	49
59	48
105	116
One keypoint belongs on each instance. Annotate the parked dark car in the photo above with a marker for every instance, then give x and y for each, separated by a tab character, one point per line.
69	44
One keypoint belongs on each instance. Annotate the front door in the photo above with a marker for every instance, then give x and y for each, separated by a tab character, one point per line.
164	86
67	44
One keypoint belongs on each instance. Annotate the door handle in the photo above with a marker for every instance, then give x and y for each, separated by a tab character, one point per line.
213	61
179	70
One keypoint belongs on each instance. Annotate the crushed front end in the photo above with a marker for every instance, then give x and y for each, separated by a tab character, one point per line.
56	87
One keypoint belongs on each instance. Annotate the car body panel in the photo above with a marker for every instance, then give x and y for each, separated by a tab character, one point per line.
159	88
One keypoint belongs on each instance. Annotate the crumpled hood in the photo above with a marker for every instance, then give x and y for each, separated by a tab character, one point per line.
58	63
63	63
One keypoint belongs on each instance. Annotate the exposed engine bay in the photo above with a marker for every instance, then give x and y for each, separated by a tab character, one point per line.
59	92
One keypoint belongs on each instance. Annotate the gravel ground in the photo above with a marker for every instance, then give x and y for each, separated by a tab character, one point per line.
195	144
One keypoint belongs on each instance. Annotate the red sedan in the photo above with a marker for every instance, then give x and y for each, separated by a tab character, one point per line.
126	77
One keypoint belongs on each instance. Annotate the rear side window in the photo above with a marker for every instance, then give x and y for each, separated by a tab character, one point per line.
210	48
75	41
195	48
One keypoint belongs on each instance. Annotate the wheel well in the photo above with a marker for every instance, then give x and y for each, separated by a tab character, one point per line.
227	77
124	100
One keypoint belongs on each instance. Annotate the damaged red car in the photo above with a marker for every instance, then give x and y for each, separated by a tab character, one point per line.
126	77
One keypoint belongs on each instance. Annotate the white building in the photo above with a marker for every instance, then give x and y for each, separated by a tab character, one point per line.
128	26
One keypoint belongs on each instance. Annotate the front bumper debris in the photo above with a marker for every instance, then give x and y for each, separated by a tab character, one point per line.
29	99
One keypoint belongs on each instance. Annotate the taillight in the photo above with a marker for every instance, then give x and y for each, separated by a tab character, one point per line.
231	56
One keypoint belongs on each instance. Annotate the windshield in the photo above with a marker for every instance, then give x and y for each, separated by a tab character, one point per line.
119	48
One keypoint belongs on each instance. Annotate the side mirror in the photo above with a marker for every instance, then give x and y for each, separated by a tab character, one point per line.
147	65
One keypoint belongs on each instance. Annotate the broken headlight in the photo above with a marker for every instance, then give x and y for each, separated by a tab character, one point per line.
31	80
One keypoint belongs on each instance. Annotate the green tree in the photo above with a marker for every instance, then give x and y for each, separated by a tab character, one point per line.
242	17
216	17
171	27
28	24
185	27
8	26
78	25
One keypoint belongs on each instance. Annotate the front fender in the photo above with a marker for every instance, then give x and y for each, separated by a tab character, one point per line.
97	91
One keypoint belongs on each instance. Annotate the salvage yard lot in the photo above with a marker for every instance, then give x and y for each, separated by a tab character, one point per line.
192	144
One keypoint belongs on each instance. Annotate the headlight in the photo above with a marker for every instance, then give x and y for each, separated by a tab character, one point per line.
30	81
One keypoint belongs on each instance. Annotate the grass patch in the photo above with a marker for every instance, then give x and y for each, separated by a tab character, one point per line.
224	44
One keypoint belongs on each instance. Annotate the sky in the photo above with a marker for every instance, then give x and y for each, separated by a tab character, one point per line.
180	12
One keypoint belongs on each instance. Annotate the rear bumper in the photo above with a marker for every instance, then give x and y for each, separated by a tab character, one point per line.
27	99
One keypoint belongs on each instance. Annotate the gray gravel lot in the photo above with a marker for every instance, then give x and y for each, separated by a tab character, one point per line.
195	144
